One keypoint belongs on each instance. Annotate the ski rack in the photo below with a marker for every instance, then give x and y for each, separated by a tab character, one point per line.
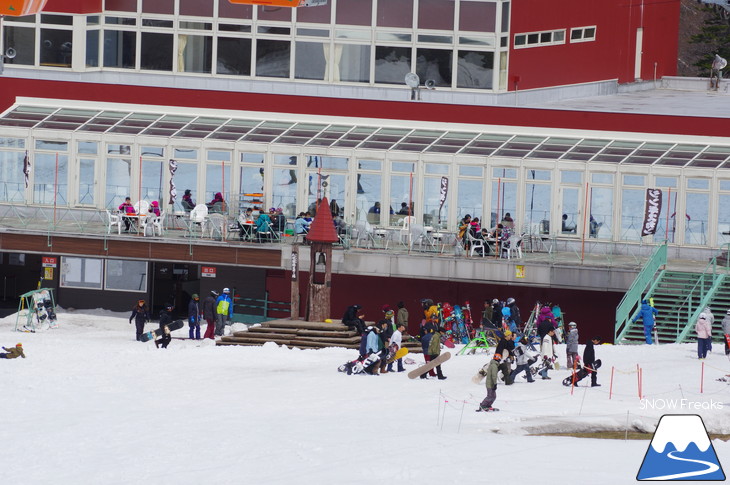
27	302
479	342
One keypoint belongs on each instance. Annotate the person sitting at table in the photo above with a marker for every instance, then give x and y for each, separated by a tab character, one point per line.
263	227
301	226
245	224
217	204
507	221
475	228
278	219
375	209
187	201
403	209
155	208
497	232
308	217
127	208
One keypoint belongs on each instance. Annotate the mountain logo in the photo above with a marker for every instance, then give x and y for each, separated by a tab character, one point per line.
681	450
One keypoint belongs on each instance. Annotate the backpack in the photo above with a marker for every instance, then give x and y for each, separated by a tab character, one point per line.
223	307
434	346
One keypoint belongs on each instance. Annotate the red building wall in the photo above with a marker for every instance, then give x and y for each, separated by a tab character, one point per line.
75	6
592	310
610	56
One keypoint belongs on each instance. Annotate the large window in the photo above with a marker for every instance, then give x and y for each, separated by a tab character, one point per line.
392	64
600	217
474	69
723	214
50	180
81	273
156	52
118	177
369	190
697	211
87	181
538	201
352	63
504	194
234	56
272	58
469	197
23	41
434	64
571	221
195	53
56	47
285	184
125	275
311	60
632	207
120	49
12	185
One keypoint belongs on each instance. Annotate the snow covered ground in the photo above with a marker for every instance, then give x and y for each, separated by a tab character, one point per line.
92	405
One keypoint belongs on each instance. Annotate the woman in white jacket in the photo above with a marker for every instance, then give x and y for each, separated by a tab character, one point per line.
703	327
548	355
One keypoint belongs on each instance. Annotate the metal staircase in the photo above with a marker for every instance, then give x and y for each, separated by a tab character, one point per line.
678	296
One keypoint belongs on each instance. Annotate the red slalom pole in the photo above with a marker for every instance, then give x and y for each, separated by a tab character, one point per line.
572	381
610	387
702	379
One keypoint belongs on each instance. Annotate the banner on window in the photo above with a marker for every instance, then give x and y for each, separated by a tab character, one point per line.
443	194
26	168
651	212
172	166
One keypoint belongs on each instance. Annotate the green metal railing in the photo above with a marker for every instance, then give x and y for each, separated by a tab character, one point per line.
633	296
259	310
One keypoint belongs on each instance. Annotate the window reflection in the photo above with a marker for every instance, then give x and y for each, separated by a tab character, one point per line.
475	69
118	172
369	191
285	190
601	213
310	62
392	64
56	47
156	52
632	213
504	201
400	192
272	58
352	63
12	185
696	218
195	53
120	49
234	56
470	194
23	41
434	64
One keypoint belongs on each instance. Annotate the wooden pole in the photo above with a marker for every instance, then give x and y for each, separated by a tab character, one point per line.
294	314
610	387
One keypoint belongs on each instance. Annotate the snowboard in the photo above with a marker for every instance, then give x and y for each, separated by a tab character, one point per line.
449	343
400	353
44	308
490	410
176	325
581	373
656	336
418	372
480	375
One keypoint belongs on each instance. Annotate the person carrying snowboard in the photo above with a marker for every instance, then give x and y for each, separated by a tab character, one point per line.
12	352
646	313
431	345
195	314
548	354
396	340
165	319
589	359
140	315
491	372
503	354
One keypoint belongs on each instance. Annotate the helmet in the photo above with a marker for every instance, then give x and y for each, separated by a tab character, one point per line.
170	306
19	345
195	296
507	333
495	301
572	324
140	302
357	307
226	290
214	293
728	312
510	301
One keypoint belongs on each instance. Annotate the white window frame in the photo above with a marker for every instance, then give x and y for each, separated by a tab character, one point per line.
582	31
539	43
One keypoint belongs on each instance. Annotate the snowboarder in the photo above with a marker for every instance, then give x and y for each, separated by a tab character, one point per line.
385	332
224	311
431	345
491	373
165	319
704	332
195	314
523	361
402	315
12	352
370	352
515	313
504	353
353	320
140	315
548	354
396	340
646	313
589	359
572	344
726	331
209	314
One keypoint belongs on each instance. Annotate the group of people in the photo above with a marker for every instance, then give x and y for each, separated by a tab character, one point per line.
380	340
255	224
216	309
469	226
128	210
217	204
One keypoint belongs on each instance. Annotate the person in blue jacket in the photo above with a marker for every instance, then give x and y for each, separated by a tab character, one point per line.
223	311
646	313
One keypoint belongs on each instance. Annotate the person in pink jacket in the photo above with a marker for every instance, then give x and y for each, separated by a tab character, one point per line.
703	327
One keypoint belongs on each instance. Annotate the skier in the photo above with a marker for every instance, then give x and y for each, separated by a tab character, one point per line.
140	315
523	361
353	320
12	352
704	334
491	373
195	313
572	345
165	319
589	358
396	340
726	331
548	354
223	311
209	314
646	313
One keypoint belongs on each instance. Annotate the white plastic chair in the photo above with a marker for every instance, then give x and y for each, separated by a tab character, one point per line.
512	245
145	222
113	220
405	229
157	223
475	244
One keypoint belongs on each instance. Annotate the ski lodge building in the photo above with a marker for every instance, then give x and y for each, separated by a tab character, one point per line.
562	117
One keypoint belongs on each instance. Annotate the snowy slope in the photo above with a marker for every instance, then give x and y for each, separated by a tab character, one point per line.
91	405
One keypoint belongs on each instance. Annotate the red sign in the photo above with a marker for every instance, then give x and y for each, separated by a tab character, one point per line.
49	262
207	271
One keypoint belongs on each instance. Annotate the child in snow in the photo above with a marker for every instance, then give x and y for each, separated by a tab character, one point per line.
12	352
491	372
572	344
523	361
589	358
548	354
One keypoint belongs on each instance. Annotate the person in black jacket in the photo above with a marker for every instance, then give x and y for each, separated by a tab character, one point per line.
505	353
140	315
516	317
352	319
165	319
589	357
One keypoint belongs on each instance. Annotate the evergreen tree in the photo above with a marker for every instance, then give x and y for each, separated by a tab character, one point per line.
715	36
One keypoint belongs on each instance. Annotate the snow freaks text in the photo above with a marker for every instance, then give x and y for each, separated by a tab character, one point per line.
679	404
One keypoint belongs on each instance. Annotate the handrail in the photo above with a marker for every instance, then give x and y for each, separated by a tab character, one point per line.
633	295
704	297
